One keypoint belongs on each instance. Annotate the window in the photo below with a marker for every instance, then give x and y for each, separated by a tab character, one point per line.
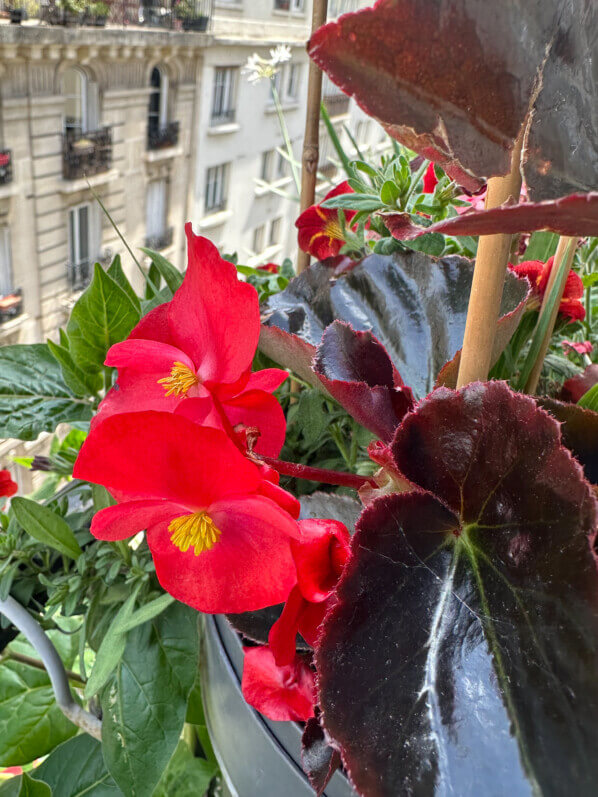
6	286
216	184
80	101
223	103
275	228
293	81
157	117
259	236
281	166
155	213
289	5
267	161
79	246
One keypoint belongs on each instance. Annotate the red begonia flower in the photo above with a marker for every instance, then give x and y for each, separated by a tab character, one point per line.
282	694
219	541
200	344
320	232
538	273
8	487
430	180
320	556
585	347
271	268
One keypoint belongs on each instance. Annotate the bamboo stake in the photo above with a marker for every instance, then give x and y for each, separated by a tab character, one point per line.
488	281
566	248
311	141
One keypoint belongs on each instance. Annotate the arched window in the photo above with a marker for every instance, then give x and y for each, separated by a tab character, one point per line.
80	101
158	103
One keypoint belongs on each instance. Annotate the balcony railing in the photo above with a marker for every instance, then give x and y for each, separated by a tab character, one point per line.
159	242
79	275
337	104
85	154
171	14
5	166
11	305
162	137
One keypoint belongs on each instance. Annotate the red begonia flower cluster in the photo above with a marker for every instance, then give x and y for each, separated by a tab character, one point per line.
538	273
320	555
8	487
319	230
170	443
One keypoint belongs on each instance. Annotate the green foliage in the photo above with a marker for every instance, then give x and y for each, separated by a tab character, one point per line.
185	775
171	275
76	769
31	724
24	786
34	397
265	282
145	702
45	526
103	315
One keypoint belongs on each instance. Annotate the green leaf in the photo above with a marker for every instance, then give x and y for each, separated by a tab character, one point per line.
165	295
589	280
24	786
589	400
33	395
82	383
102	316
185	775
542	245
432	244
45	526
143	615
111	648
31	724
76	769
369	202
145	702
118	275
389	193
171	275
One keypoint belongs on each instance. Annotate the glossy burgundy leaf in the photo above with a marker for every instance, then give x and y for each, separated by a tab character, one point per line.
414	305
411	64
461	655
579	427
577	386
575	215
356	370
320	761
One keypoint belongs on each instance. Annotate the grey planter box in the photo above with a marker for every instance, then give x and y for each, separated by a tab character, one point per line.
258	757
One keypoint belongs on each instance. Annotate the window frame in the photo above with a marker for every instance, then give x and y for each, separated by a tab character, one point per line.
6	270
214	199
224	95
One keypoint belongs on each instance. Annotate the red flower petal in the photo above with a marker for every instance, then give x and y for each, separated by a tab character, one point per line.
261	410
269	379
127	519
430	180
319	230
139	354
214	317
8	487
282	638
162	455
249	568
280	693
154	326
320	556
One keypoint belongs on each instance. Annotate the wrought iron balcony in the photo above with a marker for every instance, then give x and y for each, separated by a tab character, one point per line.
79	275
5	166
162	137
337	104
159	242
11	305
85	154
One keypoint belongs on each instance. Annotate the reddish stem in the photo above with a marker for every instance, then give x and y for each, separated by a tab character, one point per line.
316	474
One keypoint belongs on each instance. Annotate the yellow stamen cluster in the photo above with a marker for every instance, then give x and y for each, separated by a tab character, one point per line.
195	531
181	379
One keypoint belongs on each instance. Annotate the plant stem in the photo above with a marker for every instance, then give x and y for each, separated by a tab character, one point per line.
488	281
311	140
322	475
563	260
414	181
39	665
285	134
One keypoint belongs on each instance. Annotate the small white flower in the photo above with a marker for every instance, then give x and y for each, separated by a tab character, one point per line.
280	54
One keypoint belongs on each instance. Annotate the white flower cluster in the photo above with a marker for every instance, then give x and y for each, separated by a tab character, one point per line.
258	68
